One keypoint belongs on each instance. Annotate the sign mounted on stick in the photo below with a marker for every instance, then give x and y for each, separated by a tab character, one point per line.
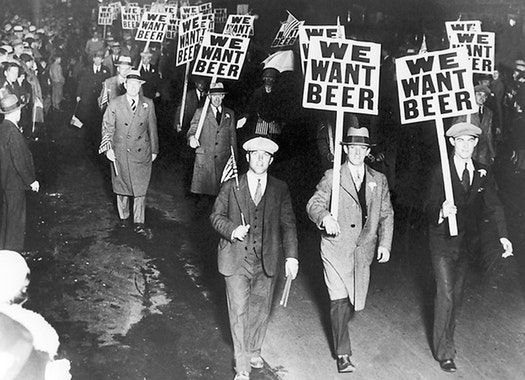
453	27
239	25
288	32
342	74
480	47
173	22
307	31
221	56
206	8
105	15
189	37
152	27
434	84
221	14
186	12
131	17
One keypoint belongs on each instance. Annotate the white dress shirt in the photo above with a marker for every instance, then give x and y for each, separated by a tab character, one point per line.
136	98
459	164
358	174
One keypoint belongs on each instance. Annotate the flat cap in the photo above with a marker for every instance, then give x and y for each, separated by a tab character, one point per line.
482	88
260	143
463	129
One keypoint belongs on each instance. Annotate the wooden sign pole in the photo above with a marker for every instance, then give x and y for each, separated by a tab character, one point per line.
447	179
336	180
204	111
184	93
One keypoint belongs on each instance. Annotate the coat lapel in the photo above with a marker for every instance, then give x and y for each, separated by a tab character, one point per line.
347	183
476	181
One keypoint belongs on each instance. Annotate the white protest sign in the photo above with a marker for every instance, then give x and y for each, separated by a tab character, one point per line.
208	22
221	14
115	7
152	27
132	4
453	27
131	17
173	21
105	15
186	12
480	47
288	32
206	8
434	84
342	74
243	9
221	56
239	25
307	31
189	37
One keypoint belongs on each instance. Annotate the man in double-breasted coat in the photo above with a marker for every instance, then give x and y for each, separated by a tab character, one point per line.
348	245
130	141
257	226
475	197
213	148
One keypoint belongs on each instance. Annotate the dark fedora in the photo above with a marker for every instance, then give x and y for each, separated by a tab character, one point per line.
356	136
9	103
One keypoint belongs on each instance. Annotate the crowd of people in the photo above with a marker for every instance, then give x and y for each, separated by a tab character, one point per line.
127	97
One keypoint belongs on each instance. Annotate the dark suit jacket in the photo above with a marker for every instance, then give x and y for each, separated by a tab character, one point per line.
279	230
17	171
484	151
153	82
482	196
191	105
89	87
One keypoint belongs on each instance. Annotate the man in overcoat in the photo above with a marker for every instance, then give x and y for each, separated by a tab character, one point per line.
213	148
348	245
475	197
256	223
114	86
17	174
130	141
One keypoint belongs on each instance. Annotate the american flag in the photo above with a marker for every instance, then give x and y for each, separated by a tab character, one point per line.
290	24
230	170
105	144
104	97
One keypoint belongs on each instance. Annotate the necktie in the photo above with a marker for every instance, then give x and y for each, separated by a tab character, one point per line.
218	115
133	105
480	114
358	180
465	178
258	193
96	69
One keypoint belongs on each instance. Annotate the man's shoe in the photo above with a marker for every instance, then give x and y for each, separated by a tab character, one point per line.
244	375
448	365
139	229
257	362
344	364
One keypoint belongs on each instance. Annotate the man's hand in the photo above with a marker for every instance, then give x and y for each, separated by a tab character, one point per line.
240	232
291	267
331	226
178	127
383	254
157	94
78	99
153	157
507	246
35	186
194	143
448	209
110	154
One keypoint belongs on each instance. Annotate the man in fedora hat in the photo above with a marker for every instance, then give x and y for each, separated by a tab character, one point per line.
256	222
130	141
475	196
213	147
348	244
150	75
17	174
110	61
114	86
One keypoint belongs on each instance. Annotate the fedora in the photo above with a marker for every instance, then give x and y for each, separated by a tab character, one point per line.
9	103
124	61
134	74
217	88
356	136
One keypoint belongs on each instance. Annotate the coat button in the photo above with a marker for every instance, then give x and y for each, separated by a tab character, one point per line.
139	137
128	150
139	149
352	225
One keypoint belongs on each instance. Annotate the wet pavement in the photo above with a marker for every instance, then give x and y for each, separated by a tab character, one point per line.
130	308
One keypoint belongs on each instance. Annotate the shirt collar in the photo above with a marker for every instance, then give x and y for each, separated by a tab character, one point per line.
136	98
459	164
253	177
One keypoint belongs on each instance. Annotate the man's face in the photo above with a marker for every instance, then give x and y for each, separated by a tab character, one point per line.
268	80
216	99
11	74
464	146
132	87
97	61
259	161
115	50
123	70
495	75
356	154
481	98
146	59
200	85
18	49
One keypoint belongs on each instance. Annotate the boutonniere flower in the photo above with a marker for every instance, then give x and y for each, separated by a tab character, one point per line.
482	172
145	105
372	185
227	116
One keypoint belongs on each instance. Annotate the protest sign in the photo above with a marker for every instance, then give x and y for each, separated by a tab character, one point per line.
206	8
105	15
208	22
342	74
221	14
239	25
221	56
307	31
152	27
131	17
115	8
190	33
453	27
480	47
288	32
186	12
173	21
434	84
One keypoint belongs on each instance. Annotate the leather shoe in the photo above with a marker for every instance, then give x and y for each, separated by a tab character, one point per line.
257	362
142	231
448	365
344	364
244	375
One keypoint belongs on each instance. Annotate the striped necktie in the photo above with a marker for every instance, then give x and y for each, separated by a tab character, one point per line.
133	105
